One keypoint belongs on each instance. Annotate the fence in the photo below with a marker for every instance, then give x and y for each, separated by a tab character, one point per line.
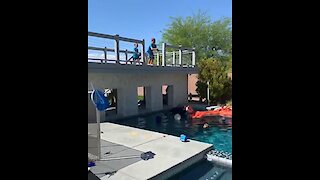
178	56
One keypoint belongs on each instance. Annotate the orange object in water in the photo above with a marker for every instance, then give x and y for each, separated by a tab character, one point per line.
200	114
224	111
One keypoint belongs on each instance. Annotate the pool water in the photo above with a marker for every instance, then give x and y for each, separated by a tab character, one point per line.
204	170
164	122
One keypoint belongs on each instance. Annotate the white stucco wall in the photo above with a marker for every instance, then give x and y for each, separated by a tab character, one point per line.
127	83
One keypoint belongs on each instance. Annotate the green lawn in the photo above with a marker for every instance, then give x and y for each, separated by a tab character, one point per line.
140	97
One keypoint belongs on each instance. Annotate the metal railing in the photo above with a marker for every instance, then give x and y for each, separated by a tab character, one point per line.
161	56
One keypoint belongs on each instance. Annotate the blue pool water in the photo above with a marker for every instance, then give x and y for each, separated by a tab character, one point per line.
204	170
220	137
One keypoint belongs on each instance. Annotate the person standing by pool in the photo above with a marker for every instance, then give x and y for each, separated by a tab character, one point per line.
151	49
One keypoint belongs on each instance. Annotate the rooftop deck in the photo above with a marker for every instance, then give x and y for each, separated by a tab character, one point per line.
131	68
105	57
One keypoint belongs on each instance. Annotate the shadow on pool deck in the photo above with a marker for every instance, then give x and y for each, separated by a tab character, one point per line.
115	157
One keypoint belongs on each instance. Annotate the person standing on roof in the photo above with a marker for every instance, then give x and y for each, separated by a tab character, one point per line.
136	54
151	49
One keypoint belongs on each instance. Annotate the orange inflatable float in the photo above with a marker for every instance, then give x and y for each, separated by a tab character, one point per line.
222	111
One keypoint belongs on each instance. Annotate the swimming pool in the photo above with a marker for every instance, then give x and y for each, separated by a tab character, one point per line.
220	137
204	170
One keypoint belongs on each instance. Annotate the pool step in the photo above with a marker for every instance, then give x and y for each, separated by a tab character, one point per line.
221	154
219	160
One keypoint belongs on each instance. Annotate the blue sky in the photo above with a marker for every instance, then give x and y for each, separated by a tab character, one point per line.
143	19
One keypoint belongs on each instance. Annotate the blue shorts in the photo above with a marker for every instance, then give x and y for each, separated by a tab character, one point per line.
135	56
151	56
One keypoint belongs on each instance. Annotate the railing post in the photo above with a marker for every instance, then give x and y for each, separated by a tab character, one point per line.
116	48
105	54
126	54
173	58
142	53
164	49
180	55
193	57
158	58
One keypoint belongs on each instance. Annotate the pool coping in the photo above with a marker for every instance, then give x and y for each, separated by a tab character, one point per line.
181	166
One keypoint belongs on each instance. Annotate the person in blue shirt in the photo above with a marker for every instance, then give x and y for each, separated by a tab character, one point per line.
152	47
136	53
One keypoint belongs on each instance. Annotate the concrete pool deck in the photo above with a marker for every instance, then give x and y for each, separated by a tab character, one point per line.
171	155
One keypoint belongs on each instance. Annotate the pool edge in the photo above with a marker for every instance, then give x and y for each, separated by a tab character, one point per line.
182	165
